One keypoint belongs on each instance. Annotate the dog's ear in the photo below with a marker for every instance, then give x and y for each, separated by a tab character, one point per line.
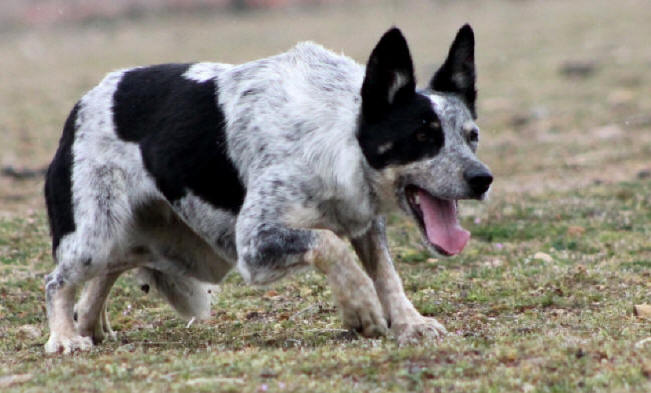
457	74
389	76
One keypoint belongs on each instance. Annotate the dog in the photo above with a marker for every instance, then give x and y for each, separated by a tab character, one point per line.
184	171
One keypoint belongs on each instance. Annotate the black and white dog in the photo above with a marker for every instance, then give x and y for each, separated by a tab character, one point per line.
187	170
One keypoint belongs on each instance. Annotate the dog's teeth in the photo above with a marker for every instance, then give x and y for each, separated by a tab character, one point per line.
417	199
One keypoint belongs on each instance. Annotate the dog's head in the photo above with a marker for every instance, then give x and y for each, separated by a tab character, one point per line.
422	142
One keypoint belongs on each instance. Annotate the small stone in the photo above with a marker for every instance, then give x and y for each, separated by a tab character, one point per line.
496	262
541	256
642	310
609	131
621	97
29	331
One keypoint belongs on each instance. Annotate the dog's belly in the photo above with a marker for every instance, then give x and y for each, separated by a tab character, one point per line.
169	245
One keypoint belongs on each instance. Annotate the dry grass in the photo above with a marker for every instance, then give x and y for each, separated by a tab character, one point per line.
570	156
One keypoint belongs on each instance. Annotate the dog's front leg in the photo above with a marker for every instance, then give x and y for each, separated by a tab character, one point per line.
407	324
352	289
272	251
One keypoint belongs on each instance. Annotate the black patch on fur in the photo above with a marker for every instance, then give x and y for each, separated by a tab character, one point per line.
274	242
58	184
457	75
180	129
397	125
408	132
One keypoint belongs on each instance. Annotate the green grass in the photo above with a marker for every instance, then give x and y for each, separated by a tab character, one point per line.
518	322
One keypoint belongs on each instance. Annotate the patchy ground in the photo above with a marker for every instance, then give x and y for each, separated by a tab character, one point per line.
541	300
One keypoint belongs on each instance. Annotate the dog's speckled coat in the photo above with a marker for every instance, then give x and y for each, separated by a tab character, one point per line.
187	170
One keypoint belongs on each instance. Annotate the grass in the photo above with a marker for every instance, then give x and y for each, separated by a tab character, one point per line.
540	301
516	322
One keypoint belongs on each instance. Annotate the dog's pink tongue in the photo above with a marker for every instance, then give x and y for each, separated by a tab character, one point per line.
441	225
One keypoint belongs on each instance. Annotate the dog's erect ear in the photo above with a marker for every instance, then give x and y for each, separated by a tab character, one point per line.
389	76
457	74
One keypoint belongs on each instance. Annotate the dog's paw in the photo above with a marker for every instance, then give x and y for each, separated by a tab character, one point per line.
67	345
364	316
418	330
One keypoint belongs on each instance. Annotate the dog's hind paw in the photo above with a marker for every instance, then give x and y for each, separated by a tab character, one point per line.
67	345
418	330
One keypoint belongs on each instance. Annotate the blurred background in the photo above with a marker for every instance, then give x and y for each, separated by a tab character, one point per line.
564	86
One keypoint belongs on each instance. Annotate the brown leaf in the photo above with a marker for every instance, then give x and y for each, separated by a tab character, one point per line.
271	293
541	256
575	230
646	369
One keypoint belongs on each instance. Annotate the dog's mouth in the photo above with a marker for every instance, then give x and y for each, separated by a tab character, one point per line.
438	220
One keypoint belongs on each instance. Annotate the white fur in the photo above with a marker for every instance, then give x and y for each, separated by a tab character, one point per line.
102	164
202	72
399	81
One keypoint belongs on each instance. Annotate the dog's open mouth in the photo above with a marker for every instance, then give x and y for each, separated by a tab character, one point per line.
438	220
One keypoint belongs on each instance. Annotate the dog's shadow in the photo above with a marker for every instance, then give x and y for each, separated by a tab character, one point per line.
236	339
257	329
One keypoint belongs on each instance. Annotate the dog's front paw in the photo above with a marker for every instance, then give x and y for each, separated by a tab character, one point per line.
365	316
417	330
67	344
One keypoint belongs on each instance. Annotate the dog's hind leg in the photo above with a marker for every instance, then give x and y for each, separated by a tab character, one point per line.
60	297
90	311
407	324
94	248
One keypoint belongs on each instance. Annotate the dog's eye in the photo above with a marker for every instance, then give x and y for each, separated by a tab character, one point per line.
432	124
421	136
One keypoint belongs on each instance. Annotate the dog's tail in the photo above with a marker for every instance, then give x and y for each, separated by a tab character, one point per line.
190	297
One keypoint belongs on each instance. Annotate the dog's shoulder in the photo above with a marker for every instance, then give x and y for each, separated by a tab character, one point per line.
299	103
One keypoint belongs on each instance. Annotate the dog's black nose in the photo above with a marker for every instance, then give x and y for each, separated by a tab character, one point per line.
479	179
